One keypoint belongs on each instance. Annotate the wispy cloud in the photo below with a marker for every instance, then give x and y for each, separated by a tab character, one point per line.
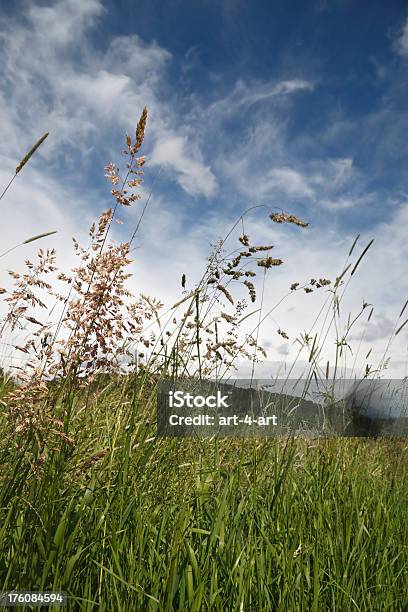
288	181
245	95
79	92
193	175
380	327
401	43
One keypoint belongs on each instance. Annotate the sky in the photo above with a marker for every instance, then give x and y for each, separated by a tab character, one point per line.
294	105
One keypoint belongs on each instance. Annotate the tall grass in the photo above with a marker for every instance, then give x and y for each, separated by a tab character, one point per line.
94	504
126	521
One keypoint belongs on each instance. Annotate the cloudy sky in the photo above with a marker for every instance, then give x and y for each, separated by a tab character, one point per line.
294	105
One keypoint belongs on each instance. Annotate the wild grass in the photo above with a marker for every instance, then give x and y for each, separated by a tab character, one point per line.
94	504
127	521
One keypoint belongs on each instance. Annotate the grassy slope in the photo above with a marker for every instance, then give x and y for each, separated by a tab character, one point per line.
181	524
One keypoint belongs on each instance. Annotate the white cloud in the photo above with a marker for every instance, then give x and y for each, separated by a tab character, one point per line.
245	95
64	22
192	174
343	168
288	181
334	184
401	44
99	91
348	201
379	327
81	94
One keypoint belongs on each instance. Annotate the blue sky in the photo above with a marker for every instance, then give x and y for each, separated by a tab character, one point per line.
298	105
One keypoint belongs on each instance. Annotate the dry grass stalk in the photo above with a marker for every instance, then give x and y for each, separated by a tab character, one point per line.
268	262
285	218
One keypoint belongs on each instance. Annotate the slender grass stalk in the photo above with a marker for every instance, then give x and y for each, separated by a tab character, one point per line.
32	239
23	162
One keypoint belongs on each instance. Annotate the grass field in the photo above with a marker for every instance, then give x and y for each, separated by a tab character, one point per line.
127	521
